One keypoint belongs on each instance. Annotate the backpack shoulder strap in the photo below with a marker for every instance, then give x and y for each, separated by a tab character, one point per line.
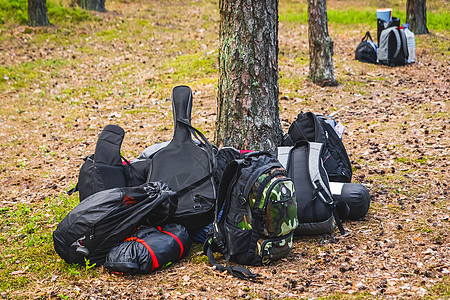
404	43
216	241
321	189
399	41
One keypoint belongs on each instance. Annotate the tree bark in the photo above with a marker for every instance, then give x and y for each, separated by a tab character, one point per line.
320	45
416	16
37	13
97	5
248	113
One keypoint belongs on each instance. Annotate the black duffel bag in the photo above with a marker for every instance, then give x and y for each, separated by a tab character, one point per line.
366	51
107	218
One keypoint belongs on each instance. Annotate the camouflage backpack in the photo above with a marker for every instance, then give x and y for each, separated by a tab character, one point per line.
255	214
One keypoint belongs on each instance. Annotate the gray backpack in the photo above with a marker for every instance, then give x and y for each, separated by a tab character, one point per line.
392	50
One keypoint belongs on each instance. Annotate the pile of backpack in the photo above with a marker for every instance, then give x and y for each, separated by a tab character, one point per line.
396	45
142	215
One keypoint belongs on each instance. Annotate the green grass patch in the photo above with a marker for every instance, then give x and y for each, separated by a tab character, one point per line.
23	74
16	11
26	242
438	20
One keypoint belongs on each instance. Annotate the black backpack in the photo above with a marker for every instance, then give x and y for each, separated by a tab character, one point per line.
105	170
366	51
107	218
255	215
393	49
314	128
316	210
148	249
187	166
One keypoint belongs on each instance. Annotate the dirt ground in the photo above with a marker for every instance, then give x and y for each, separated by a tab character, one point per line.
397	136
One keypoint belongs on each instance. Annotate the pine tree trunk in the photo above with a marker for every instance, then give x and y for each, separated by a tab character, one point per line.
320	45
97	5
416	16
37	13
248	114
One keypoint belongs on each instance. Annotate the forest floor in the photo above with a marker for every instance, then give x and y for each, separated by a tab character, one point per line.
59	86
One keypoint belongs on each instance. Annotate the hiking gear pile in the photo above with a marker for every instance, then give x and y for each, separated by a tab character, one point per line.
140	216
396	45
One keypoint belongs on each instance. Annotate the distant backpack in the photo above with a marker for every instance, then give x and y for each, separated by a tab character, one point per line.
107	218
366	51
149	249
255	215
316	210
107	169
393	49
186	166
313	128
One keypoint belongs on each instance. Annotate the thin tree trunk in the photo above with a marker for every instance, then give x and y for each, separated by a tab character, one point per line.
320	45
37	13
97	5
416	16
248	114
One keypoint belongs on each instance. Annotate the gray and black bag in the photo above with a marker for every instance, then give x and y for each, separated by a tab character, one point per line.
393	50
317	212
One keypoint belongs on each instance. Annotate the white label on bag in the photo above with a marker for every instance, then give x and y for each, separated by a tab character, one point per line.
339	128
336	188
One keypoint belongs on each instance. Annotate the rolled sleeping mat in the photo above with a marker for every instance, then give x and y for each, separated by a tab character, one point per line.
149	249
355	195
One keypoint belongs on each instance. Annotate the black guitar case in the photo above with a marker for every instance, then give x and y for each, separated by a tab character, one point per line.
187	166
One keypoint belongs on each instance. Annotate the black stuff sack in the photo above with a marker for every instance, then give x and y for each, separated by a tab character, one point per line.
355	195
106	168
366	51
187	164
107	218
149	249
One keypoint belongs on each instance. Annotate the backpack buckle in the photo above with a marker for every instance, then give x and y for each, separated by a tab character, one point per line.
242	200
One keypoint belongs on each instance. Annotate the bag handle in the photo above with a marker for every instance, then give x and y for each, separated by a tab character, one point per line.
366	37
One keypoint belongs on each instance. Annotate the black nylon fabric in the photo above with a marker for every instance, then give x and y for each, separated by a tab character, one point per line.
313	128
106	218
104	170
365	52
183	163
132	257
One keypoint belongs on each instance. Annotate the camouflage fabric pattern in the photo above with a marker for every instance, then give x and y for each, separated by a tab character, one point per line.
281	211
281	208
256	186
272	250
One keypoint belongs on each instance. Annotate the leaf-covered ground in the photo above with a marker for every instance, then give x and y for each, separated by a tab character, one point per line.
59	86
